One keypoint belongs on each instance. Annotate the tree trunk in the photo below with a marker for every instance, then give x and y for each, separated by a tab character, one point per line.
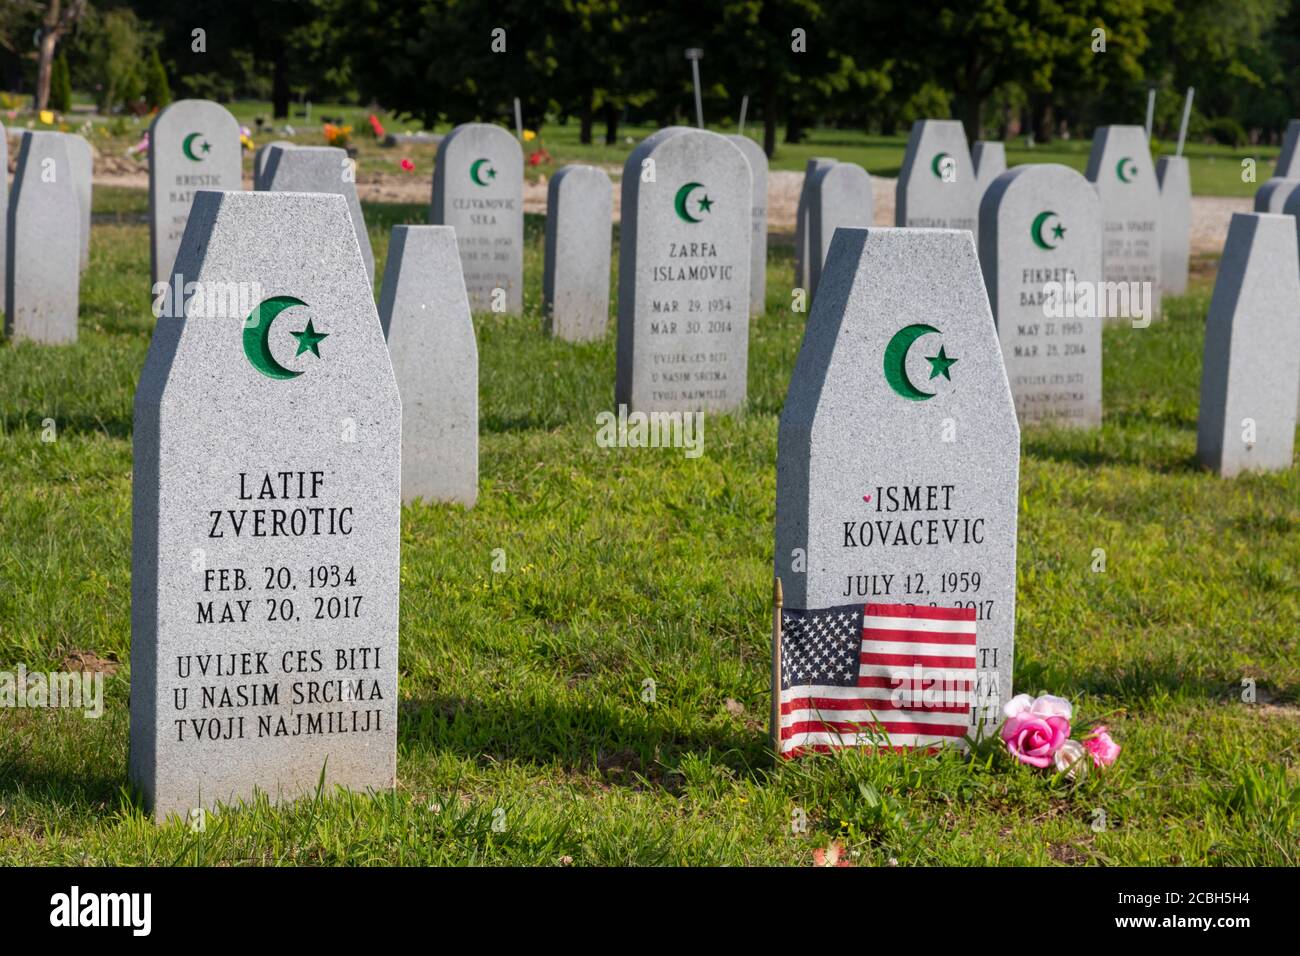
611	124
1043	123
584	133
972	118
793	128
280	84
769	122
50	34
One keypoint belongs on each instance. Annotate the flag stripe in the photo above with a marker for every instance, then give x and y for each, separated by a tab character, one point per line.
865	730
914	636
906	660
836	704
922	612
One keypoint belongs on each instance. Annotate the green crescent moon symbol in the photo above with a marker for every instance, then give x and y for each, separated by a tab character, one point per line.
187	144
679	203
934	163
474	168
1036	230
1119	169
896	361
257	333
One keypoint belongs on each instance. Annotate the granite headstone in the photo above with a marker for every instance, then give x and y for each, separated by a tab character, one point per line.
82	158
937	186
990	161
1040	251
840	198
1273	194
193	144
683	282
758	247
1250	376
265	513
898	464
1175	180
1120	168
575	273
1288	160
321	169
262	156
43	255
478	189
803	214
425	314
4	207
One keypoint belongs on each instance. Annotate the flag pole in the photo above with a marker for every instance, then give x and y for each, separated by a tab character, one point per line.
774	717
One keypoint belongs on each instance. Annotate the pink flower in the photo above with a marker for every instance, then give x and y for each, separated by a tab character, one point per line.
408	165
1035	729
1103	749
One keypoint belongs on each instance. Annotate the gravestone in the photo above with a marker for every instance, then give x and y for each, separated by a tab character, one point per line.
1273	195
758	244
897	467
262	156
478	189
43	255
990	162
803	214
683	274
424	311
1040	250
265	516
321	169
1120	168
1250	377
575	275
937	186
1175	222
82	158
193	144
840	198
4	207
1288	160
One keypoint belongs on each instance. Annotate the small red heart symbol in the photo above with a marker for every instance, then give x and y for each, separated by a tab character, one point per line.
866	498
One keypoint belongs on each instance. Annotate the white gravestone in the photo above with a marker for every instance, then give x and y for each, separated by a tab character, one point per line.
424	311
758	248
803	214
1040	251
1288	160
1274	193
4	206
263	156
683	292
897	468
1120	168
1250	376
1175	180
575	274
82	158
840	198
990	162
478	189
265	513
937	186
193	144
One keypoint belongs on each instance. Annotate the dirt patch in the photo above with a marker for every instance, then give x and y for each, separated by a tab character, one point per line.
89	662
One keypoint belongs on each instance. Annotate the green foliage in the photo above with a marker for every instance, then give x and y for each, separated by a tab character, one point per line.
1226	131
157	91
112	47
61	85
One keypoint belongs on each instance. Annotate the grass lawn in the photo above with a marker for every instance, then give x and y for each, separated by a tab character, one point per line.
523	734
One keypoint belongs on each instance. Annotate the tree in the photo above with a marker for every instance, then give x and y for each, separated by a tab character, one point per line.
157	91
61	85
59	19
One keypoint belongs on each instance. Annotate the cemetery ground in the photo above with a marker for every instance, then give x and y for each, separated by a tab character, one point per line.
604	699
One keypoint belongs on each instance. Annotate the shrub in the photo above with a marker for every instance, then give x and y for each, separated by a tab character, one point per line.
60	85
157	91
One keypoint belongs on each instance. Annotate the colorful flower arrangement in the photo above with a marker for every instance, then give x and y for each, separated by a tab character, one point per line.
1037	733
339	136
246	139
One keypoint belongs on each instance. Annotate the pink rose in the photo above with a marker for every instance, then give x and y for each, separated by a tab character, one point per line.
1035	729
1103	749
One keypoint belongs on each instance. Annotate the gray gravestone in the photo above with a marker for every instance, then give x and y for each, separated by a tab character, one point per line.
1175	180
1040	248
1120	168
321	169
683	274
898	448
990	162
936	186
82	158
758	245
575	275
1288	161
193	144
43	255
802	233
4	207
265	512
840	198
424	311
1250	376
263	156
1273	195
478	189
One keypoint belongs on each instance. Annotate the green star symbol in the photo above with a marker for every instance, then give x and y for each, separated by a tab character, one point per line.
309	338
1058	232
492	172
706	204
939	364
207	147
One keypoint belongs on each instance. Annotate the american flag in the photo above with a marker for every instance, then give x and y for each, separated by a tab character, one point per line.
883	675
